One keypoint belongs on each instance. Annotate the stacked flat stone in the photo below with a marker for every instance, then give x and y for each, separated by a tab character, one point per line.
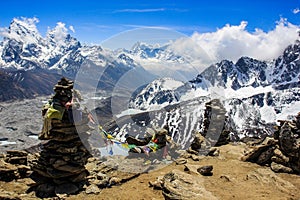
13	166
60	166
282	151
215	123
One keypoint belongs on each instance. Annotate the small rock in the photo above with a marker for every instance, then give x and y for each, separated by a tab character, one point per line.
195	157
24	171
92	189
280	168
191	151
180	161
191	168
155	184
198	142
225	178
114	181
66	188
45	190
214	151
206	170
279	157
180	185
101	176
8	171
17	160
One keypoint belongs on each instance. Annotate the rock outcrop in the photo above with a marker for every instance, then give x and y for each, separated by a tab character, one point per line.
282	151
182	185
60	167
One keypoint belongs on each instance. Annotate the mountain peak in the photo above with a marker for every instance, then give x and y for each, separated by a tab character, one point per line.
143	46
60	36
23	29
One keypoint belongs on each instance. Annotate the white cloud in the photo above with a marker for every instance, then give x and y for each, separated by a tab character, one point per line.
296	10
59	33
150	10
233	41
140	10
72	28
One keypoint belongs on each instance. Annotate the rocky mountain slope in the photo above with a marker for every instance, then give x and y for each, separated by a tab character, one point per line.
15	85
254	93
234	79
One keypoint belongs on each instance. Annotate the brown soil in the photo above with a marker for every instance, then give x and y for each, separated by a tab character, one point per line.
231	179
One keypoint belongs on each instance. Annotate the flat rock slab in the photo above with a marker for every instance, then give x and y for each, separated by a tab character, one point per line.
266	176
180	185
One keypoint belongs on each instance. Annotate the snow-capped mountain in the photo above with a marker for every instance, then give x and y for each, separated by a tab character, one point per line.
161	60
287	68
245	72
158	93
254	93
163	53
24	49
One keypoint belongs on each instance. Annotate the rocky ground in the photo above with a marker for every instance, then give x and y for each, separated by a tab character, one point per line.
231	178
21	122
231	171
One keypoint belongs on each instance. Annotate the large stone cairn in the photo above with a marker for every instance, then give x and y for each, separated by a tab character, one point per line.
60	167
282	151
215	131
215	128
215	123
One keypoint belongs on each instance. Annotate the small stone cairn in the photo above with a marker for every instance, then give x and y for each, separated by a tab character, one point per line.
13	165
282	151
59	168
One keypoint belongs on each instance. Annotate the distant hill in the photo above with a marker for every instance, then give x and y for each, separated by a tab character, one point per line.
26	84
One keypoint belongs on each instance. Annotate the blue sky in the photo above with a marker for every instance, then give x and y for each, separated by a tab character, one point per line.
95	21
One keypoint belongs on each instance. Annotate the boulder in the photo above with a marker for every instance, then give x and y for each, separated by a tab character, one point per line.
180	185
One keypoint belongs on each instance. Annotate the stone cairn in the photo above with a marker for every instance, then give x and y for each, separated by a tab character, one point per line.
60	166
215	127
215	131
282	151
13	165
